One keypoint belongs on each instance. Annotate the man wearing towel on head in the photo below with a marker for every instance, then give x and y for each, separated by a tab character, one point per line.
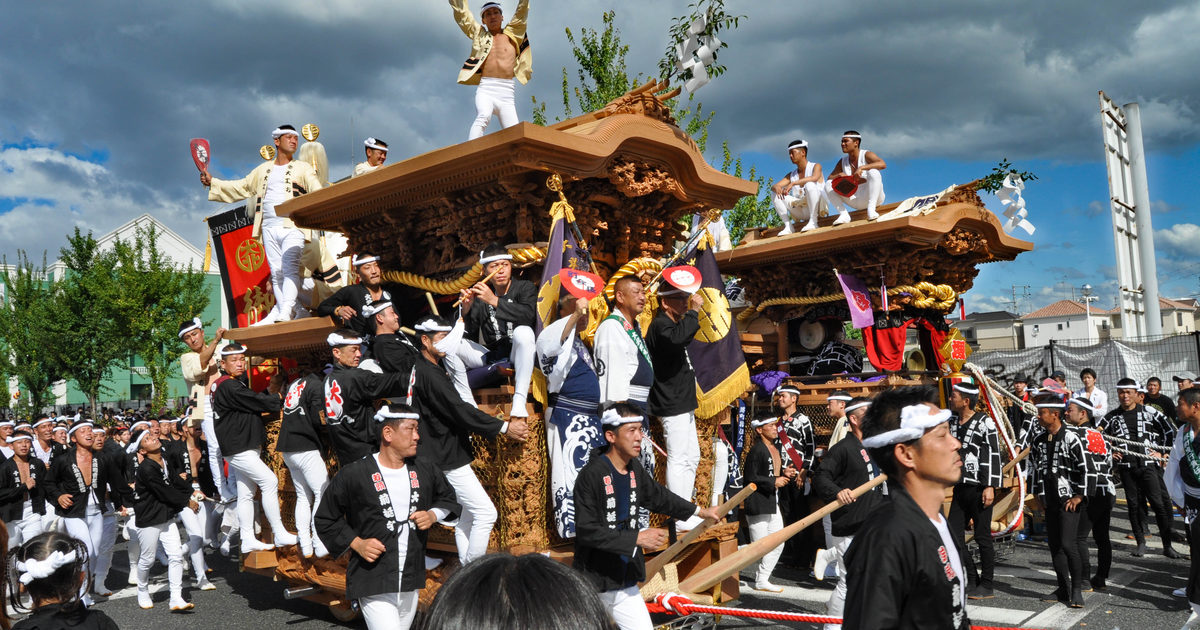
376	150
273	183
348	303
975	494
499	54
861	167
798	195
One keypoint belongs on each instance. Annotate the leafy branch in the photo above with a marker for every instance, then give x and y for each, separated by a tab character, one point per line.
994	181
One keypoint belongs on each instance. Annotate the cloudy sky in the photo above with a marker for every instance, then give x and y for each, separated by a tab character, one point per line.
99	100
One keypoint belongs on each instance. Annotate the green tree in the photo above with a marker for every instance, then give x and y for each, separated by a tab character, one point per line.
89	342
26	331
162	295
749	211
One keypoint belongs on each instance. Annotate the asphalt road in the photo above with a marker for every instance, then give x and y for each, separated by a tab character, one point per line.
1139	596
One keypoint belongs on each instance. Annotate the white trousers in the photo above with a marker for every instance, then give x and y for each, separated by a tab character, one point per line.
148	540
628	608
284	246
720	470
108	540
683	453
21	530
90	530
389	611
837	599
195	525
801	203
761	526
252	472
493	96
226	486
861	199
310	477
471	355
474	526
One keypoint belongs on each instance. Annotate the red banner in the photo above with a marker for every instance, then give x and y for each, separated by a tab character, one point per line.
245	276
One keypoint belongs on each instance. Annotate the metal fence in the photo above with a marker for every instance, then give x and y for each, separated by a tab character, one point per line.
1164	356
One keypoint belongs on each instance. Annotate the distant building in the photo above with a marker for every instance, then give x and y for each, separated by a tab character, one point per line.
993	330
131	384
1067	320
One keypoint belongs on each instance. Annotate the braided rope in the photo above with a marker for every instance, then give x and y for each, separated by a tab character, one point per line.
926	295
436	286
675	604
635	266
1161	449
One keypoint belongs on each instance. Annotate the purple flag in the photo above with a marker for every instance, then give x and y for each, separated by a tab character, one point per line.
858	299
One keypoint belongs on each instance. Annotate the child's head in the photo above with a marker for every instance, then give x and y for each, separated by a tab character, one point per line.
51	566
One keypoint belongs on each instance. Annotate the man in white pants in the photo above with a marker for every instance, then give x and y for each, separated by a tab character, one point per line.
499	54
273	183
765	468
862	167
199	368
22	497
161	494
300	445
238	414
798	196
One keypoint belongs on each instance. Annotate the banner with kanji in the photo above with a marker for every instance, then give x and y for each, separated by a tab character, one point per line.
716	351
561	253
245	276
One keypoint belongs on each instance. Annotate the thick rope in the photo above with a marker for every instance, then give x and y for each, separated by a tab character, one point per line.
675	604
926	295
436	286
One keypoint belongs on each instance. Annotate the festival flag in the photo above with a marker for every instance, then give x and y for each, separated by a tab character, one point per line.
245	276
716	351
562	242
857	299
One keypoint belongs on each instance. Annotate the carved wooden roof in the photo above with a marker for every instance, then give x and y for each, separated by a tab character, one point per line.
286	339
942	246
629	174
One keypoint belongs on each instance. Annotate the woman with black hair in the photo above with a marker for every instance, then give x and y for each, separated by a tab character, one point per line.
52	567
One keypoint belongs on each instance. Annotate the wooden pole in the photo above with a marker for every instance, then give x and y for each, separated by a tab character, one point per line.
433	304
488	277
658	562
712	575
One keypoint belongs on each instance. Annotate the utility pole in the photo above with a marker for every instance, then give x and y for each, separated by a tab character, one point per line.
1024	295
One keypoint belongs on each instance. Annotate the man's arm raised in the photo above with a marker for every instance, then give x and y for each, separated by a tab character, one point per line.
465	19
516	26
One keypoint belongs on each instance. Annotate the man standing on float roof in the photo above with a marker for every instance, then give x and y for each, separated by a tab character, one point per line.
495	61
273	183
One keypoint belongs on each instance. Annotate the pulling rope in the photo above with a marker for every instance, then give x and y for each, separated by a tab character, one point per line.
925	295
675	604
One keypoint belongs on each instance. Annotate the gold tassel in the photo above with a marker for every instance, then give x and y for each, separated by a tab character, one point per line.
207	254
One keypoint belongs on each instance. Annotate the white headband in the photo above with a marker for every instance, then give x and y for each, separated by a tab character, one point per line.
43	421
39	569
429	326
613	419
136	444
799	144
1084	403
1057	405
371	310
231	350
384	414
335	340
858	405
195	324
841	397
914	421
754	424
79	426
372	143
788	389
488	5
852	135
139	423
966	389
280	131
359	261
1134	386
484	260
8	423
19	436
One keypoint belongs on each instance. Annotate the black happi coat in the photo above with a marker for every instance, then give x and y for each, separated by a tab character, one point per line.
352	506
847	465
197	471
446	421
518	307
394	352
238	415
13	492
53	617
896	575
350	395
760	470
601	544
160	493
356	296
65	477
303	409
674	388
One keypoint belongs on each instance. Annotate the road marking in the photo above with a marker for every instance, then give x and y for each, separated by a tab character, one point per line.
1059	616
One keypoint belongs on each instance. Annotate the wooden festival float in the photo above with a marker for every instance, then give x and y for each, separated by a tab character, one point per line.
926	251
629	173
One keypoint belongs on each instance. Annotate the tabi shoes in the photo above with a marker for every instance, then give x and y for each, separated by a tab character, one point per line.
820	563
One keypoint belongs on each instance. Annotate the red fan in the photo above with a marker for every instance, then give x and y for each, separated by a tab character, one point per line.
581	284
844	185
201	154
1053	386
683	277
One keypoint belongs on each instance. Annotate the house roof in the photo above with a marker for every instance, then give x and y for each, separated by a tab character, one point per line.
1183	304
991	316
1065	308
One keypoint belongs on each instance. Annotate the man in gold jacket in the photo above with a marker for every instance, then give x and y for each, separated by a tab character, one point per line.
270	184
494	61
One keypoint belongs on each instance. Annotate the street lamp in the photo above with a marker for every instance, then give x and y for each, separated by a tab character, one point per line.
1088	298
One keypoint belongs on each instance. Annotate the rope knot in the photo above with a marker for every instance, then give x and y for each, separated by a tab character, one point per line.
674	602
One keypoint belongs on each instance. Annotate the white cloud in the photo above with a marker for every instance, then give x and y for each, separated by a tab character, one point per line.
1181	239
